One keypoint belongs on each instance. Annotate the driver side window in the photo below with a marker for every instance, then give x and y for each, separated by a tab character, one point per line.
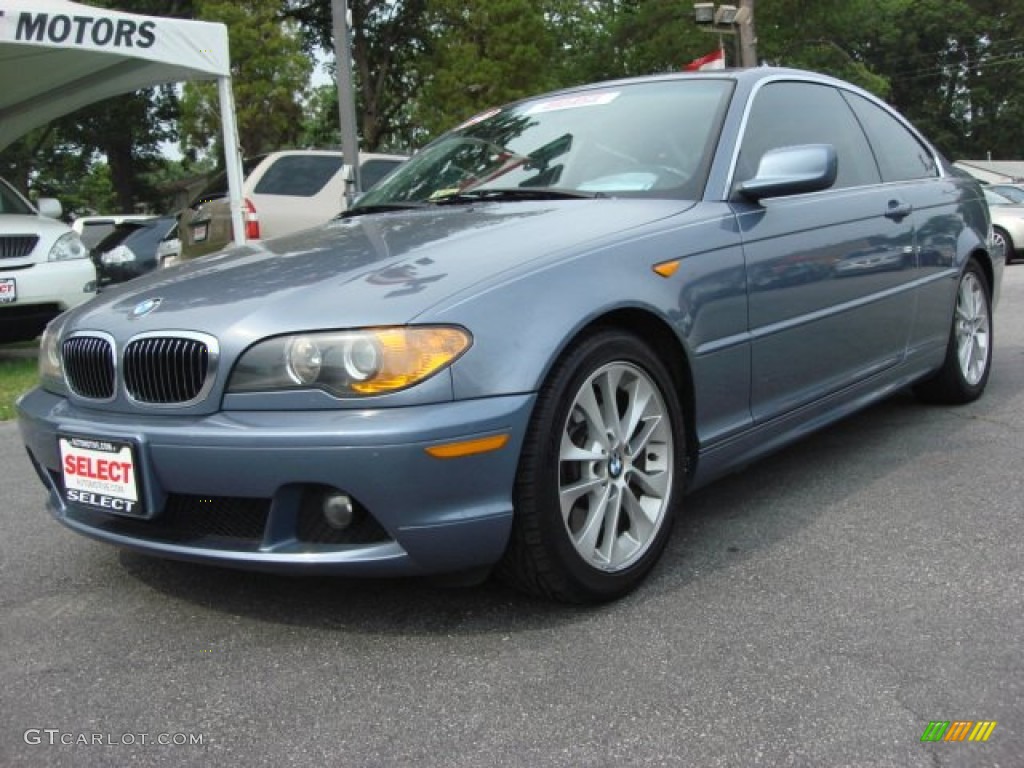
789	114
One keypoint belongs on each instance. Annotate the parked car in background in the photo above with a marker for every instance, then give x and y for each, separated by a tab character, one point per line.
1013	192
92	229
132	248
282	192
44	267
523	347
168	252
1007	224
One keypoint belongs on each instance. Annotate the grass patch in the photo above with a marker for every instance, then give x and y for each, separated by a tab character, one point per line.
17	375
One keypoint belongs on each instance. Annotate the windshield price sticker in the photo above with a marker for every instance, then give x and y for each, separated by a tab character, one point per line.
574	102
100	474
8	290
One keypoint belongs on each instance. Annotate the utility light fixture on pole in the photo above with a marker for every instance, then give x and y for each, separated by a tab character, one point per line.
727	19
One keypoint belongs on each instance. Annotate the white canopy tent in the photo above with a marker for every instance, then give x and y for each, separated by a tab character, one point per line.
57	56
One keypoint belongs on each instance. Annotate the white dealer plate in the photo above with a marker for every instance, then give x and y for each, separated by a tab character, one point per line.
100	474
8	290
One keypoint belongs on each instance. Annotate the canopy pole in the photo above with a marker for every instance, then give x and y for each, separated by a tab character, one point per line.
232	158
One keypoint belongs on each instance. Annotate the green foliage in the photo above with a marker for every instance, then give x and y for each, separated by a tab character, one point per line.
18	374
390	40
320	124
488	52
952	66
944	63
956	66
270	72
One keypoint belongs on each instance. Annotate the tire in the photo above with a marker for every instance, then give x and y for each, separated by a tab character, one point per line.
585	471
964	372
1001	238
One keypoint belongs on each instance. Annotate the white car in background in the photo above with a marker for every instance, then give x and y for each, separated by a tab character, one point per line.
1007	225
92	229
44	267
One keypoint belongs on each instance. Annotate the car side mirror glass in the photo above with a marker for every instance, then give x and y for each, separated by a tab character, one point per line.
49	207
792	171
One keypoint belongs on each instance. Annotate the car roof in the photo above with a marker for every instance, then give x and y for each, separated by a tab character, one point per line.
747	77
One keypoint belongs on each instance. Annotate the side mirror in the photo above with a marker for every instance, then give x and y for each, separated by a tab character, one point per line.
49	207
792	171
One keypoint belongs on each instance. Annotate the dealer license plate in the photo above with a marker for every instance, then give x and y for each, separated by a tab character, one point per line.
199	232
100	474
8	290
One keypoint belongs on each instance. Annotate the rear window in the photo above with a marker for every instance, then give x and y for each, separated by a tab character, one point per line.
298	175
93	232
217	186
141	236
373	171
116	234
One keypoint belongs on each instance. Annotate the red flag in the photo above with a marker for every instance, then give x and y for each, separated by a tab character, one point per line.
714	60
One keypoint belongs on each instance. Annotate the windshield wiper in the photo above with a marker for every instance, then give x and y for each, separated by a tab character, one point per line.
516	193
360	210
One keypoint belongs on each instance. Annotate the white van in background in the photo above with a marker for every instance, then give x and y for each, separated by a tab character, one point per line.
282	192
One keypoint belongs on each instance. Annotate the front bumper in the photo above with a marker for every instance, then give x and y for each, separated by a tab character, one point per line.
239	488
44	290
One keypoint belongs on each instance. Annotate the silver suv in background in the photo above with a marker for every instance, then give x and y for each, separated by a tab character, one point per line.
282	192
44	267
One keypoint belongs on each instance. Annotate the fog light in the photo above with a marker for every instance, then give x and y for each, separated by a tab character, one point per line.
338	510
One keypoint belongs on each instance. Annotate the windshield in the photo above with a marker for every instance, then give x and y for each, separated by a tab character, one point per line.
652	139
11	202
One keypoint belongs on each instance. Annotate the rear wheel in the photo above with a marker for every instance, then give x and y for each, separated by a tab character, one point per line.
600	473
965	371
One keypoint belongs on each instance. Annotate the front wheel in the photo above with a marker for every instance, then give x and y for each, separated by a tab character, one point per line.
1002	241
964	373
600	474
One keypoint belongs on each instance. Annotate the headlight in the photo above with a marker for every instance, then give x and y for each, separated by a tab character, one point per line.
51	372
374	361
68	247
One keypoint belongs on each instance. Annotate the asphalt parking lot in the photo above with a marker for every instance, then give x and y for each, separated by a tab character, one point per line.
818	609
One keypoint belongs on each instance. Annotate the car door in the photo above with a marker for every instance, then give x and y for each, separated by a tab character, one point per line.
910	172
829	272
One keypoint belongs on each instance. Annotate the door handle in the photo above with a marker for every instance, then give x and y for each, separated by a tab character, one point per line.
897	210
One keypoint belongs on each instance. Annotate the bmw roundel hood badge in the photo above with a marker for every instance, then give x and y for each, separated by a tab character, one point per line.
143	308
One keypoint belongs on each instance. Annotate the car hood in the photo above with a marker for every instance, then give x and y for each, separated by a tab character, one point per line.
375	269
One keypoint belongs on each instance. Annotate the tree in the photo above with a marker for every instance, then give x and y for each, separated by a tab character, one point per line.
389	41
482	54
950	62
270	72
